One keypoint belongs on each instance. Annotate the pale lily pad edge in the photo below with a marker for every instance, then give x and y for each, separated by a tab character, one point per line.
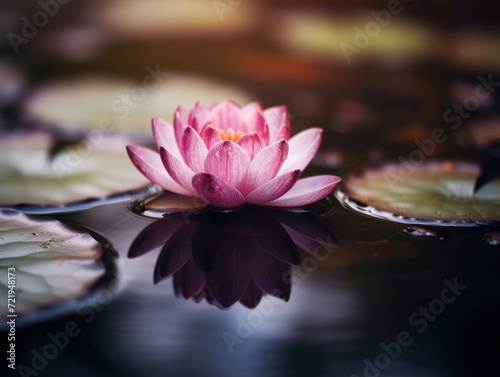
85	204
93	301
373	212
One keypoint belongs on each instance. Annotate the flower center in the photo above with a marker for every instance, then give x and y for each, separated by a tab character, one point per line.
230	134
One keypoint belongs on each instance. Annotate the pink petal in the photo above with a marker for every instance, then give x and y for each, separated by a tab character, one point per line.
252	144
180	123
265	134
210	136
277	121
164	135
302	148
228	161
265	165
227	115
177	169
198	117
252	106
149	164
274	188
256	122
216	192
283	132
307	191
182	115
193	150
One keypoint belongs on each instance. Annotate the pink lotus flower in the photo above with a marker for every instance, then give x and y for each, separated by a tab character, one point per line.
228	155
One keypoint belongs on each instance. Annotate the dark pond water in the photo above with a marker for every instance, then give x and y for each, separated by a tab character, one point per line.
370	286
322	292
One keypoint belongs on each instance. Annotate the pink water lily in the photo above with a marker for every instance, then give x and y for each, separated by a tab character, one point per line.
228	156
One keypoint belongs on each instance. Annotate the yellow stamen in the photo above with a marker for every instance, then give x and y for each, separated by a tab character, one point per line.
230	135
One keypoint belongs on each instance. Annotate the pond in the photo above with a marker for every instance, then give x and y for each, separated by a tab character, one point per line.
392	272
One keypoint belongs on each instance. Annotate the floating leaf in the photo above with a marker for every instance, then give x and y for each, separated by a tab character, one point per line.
159	18
49	262
30	175
113	105
334	38
442	191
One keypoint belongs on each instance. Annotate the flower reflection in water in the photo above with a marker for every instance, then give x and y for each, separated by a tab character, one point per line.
229	257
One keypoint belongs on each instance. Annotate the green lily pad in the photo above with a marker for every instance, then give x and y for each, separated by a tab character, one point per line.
159	18
324	36
31	175
435	191
113	105
48	262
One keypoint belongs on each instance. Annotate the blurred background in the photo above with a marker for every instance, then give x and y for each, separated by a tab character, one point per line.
375	75
351	68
